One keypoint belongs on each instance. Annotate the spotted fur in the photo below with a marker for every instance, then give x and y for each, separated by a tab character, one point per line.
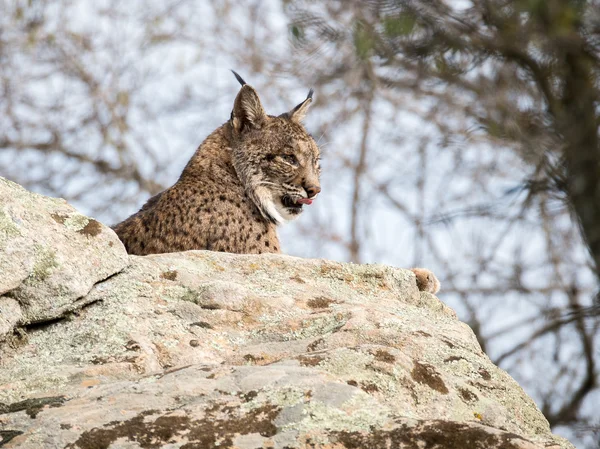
251	174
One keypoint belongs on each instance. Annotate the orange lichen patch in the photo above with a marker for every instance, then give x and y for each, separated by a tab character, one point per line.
319	302
91	229
259	359
169	275
369	387
310	360
427	375
485	374
59	218
219	427
466	395
383	356
429	434
315	345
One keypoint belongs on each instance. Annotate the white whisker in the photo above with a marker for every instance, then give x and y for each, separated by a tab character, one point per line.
320	137
267	183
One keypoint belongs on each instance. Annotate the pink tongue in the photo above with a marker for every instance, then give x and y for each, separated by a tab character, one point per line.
304	201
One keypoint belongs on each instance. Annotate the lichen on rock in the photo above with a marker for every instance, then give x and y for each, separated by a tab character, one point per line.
48	263
203	349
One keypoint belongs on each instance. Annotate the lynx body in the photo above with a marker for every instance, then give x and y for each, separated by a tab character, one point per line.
251	174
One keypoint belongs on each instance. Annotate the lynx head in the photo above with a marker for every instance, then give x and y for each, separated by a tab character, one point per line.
274	156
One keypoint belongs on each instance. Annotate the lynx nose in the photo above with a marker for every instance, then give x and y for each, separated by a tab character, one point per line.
312	191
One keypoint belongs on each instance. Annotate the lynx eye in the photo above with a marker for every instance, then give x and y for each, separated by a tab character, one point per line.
290	159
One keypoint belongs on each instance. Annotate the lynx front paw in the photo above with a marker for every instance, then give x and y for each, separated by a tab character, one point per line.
426	280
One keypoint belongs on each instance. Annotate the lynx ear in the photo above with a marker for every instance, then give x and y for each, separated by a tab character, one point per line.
299	112
247	108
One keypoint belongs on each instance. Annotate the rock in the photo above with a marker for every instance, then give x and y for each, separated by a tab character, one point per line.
10	315
244	407
202	350
50	257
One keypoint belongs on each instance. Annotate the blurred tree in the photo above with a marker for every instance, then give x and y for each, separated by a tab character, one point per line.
522	75
454	136
100	102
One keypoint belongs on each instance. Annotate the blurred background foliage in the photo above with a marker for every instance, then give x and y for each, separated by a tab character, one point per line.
457	135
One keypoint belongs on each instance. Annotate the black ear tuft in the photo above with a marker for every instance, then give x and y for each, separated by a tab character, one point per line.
240	79
299	112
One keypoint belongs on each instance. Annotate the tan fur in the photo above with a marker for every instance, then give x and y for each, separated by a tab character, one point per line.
236	188
229	196
426	280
